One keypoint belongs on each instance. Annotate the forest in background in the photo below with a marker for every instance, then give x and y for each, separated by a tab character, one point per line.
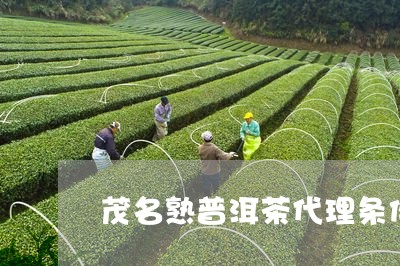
367	23
92	11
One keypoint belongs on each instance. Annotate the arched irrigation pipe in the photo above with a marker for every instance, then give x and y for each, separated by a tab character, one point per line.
313	110
281	162
374	181
325	101
380	108
329	87
229	111
233	231
165	152
71	66
50	223
12	69
382	94
370	252
377	147
377	124
16	104
191	134
103	98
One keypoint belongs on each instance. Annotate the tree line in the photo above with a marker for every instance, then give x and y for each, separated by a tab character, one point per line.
373	23
94	11
369	23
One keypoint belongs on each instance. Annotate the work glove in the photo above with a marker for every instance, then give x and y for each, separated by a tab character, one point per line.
233	154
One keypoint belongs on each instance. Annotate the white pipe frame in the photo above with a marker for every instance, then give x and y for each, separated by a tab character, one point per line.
281	162
396	79
165	152
232	231
204	67
313	110
372	70
321	84
374	181
300	130
382	94
159	55
331	88
245	58
385	85
183	51
160	85
336	81
114	61
380	108
229	111
16	104
377	124
369	252
103	98
393	73
220	68
196	69
269	106
371	76
325	101
71	66
341	70
50	223
377	147
348	69
306	133
191	134
12	69
338	75
203	50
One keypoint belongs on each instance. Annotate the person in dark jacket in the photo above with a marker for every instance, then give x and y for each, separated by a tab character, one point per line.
210	156
104	146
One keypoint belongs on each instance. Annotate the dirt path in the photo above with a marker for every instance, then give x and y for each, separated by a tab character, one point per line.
318	244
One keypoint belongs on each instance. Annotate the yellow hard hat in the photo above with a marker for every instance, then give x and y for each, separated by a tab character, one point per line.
248	115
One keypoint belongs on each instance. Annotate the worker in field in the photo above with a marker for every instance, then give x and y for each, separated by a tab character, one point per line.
210	156
162	115
104	146
250	135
